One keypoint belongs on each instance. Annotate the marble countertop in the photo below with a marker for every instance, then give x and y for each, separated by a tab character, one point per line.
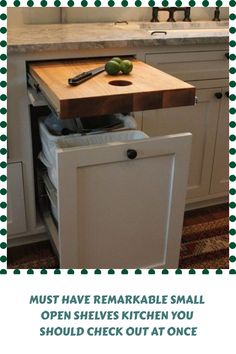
35	38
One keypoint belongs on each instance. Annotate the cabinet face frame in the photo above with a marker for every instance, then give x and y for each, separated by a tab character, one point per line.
15	200
69	210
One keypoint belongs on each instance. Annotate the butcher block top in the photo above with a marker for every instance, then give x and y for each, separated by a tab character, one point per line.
145	88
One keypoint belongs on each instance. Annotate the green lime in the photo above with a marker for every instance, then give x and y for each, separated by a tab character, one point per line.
112	67
117	59
126	66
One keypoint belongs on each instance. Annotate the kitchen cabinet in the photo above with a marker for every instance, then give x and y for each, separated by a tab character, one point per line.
118	203
23	50
207	120
201	120
16	218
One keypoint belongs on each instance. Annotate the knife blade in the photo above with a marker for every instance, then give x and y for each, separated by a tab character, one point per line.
78	79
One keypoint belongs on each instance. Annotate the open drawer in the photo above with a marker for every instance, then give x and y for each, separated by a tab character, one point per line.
145	88
121	204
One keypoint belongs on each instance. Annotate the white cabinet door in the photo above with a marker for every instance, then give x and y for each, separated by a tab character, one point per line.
220	173
201	121
16	219
115	212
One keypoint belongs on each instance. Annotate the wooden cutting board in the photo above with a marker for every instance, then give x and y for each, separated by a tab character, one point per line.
145	88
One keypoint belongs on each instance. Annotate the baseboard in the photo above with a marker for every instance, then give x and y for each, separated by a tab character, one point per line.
24	240
206	203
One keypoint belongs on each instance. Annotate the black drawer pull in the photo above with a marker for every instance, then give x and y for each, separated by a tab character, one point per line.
132	154
154	32
218	95
227	55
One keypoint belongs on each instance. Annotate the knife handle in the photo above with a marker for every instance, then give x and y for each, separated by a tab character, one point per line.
79	79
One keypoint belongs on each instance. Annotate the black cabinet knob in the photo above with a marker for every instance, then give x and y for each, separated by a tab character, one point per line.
227	94
132	154
218	95
227	55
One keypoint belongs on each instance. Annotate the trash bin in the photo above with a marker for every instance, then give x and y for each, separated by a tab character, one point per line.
83	126
50	143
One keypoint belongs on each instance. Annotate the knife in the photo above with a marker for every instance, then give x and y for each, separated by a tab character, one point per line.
77	80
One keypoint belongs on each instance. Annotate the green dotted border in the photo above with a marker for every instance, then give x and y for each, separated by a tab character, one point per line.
232	137
3	134
112	3
118	271
3	137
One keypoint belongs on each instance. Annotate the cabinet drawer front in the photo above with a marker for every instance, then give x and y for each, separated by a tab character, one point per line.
117	212
191	66
15	200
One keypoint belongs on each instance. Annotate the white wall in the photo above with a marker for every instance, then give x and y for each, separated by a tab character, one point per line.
132	14
21	16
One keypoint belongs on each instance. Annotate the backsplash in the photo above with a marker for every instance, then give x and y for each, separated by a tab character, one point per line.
134	14
20	16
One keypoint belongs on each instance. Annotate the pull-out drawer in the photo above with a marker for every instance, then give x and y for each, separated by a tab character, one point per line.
121	204
193	65
144	88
